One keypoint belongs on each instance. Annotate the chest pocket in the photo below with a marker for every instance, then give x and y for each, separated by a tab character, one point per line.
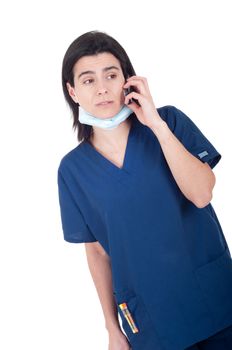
142	335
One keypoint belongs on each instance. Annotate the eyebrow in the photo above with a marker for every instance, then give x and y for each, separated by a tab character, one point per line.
92	72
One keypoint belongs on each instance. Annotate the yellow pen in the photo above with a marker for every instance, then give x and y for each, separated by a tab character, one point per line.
128	316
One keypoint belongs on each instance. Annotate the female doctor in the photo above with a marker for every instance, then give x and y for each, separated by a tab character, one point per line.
137	190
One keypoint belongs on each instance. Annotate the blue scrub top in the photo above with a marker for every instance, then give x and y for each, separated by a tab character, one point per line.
170	260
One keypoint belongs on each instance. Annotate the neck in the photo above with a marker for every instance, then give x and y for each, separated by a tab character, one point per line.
111	140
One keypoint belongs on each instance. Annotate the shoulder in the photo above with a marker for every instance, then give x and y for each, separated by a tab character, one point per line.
69	158
176	118
170	114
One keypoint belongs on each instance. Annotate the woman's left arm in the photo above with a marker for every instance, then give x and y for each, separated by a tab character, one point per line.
194	178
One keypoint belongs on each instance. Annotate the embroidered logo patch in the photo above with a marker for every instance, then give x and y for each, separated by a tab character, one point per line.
202	154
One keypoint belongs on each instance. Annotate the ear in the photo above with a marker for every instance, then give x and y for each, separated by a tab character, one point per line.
72	92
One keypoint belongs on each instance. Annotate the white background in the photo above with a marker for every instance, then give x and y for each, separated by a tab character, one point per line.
184	50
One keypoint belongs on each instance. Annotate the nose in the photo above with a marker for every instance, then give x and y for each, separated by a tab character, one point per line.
101	89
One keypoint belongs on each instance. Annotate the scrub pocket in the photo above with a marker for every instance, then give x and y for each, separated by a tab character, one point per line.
215	280
145	337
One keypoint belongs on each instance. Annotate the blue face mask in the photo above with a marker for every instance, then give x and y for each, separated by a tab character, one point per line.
109	123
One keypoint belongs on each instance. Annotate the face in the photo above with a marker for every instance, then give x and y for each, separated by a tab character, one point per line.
98	78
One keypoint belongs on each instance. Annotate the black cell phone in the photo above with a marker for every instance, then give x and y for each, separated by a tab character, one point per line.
128	91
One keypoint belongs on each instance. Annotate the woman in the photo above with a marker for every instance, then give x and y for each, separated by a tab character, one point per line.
137	191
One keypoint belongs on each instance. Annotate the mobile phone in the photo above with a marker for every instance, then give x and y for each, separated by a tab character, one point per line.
128	91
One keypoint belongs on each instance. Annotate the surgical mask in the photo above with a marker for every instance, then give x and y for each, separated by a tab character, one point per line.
107	123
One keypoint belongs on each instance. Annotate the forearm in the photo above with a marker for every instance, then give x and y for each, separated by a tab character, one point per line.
100	269
194	178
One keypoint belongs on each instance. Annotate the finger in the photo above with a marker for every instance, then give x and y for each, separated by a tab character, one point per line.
144	79
135	77
138	84
134	95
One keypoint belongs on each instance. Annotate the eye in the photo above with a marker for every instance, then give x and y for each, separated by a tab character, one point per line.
87	80
112	75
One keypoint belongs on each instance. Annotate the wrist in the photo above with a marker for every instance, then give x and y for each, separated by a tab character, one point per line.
113	327
160	129
157	122
158	125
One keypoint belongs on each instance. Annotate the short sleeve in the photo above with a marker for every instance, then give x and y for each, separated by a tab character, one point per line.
75	229
191	137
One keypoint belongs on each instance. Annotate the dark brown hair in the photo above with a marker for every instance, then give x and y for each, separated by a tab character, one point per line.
90	43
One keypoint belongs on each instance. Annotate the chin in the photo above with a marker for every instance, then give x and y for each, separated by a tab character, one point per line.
107	112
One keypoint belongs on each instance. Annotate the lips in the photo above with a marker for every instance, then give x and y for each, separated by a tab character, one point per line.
103	103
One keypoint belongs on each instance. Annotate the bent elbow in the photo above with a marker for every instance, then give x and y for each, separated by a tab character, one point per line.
203	201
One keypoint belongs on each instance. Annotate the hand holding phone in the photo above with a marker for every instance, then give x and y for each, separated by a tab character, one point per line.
128	91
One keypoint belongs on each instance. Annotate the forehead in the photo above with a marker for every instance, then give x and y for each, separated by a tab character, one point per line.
95	62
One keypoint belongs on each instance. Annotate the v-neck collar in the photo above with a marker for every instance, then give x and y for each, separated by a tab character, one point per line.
109	165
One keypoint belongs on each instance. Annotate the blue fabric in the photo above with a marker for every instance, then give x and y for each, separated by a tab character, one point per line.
170	260
220	341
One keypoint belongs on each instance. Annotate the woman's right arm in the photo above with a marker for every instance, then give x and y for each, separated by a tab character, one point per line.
100	269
